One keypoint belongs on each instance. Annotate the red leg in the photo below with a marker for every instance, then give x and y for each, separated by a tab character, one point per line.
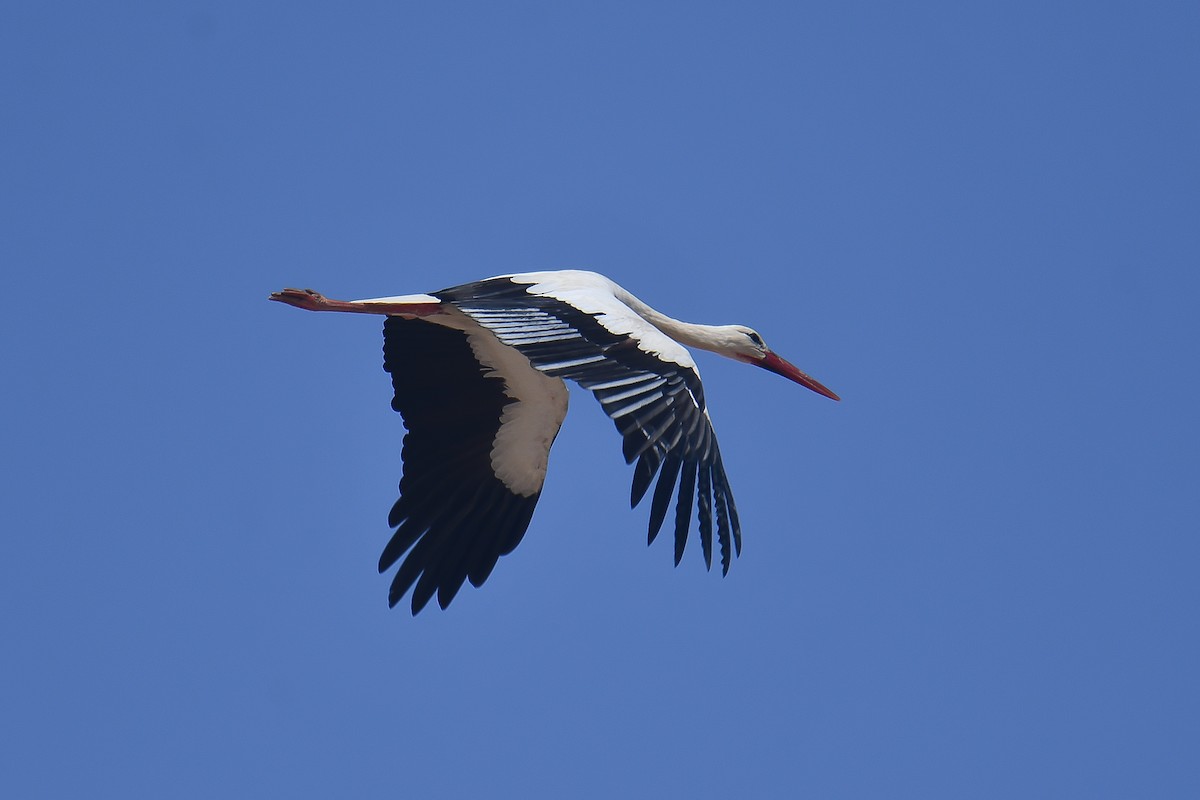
314	301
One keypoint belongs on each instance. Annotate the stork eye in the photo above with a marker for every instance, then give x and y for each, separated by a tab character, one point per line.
754	337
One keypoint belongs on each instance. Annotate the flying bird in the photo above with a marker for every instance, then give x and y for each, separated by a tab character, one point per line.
478	374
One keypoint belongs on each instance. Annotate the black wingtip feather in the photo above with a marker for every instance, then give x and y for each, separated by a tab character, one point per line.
683	509
720	490
643	473
483	570
409	531
447	591
407	574
661	501
424	590
727	492
705	508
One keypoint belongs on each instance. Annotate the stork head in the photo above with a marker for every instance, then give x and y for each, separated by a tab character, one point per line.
745	344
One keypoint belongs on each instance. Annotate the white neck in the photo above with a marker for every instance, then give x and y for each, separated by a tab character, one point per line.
705	337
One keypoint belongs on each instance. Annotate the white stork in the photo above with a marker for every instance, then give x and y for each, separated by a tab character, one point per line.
478	375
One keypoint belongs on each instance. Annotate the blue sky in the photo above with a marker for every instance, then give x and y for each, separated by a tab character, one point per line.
974	577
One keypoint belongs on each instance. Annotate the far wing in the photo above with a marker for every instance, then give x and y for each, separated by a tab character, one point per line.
652	392
455	511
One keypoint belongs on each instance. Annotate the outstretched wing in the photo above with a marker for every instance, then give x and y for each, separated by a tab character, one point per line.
480	424
646	382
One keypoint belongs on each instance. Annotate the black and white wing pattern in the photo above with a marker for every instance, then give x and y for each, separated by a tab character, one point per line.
646	382
469	487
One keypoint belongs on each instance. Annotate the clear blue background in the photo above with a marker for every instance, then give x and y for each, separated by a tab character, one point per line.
975	577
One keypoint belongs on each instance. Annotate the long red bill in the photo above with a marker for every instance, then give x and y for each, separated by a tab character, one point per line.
780	367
